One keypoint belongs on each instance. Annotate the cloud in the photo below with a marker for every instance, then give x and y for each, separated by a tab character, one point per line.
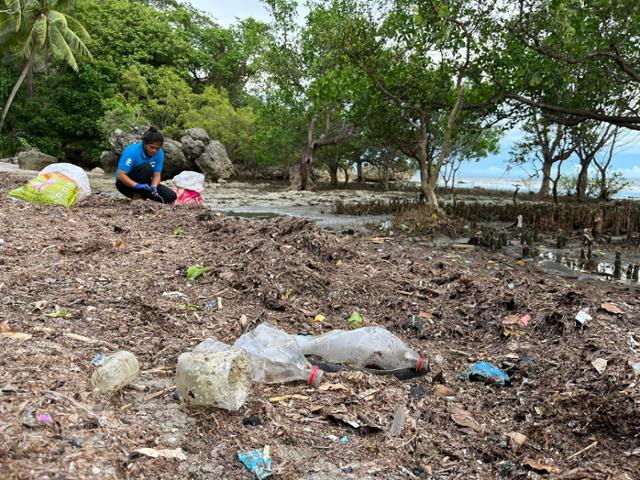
630	172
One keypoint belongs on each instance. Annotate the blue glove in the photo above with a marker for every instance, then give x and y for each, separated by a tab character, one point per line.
154	190
142	186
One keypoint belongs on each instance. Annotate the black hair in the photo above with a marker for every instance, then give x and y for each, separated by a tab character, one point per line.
152	135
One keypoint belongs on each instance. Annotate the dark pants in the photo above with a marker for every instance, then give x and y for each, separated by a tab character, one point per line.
143	174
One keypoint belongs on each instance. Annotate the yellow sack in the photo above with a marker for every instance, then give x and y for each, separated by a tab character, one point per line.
49	188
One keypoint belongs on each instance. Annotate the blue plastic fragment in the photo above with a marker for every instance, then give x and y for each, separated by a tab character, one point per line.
99	360
344	439
256	462
487	372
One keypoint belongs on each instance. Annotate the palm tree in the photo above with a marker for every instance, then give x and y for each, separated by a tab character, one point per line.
40	27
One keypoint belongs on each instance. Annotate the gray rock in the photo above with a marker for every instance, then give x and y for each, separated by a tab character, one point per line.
11	160
199	134
97	171
194	143
34	160
214	162
120	140
174	159
109	161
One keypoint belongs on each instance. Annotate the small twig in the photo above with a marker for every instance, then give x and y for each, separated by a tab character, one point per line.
412	294
157	394
583	450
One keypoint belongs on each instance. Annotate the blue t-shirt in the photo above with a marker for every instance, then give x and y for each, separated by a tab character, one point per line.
135	155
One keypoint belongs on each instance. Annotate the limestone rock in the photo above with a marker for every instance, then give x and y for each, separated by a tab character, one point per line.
214	162
97	171
34	160
120	140
375	174
174	159
109	161
194	142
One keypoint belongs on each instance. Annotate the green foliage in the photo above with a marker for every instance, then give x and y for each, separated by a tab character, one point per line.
605	188
234	127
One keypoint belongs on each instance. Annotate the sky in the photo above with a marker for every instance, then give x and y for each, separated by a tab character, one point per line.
225	12
626	159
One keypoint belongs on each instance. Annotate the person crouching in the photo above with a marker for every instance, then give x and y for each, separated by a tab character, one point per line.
139	169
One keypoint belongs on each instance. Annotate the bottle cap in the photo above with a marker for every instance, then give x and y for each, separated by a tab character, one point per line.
312	377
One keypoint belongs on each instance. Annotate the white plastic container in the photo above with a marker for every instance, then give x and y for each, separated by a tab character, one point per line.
372	347
117	371
276	357
217	379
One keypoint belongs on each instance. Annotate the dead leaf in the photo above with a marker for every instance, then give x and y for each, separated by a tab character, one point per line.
316	408
611	308
330	387
228	275
539	466
515	324
464	419
4	326
425	315
177	453
16	335
443	391
118	244
287	397
516	439
345	419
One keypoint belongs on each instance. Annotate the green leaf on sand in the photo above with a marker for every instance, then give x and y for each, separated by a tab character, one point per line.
195	271
356	320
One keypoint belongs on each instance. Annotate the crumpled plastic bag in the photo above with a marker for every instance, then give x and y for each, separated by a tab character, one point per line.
52	188
188	197
73	172
189	180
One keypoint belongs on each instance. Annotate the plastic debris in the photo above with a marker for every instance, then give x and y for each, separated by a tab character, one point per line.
213	304
176	453
44	418
600	364
99	359
48	188
58	314
372	347
344	439
318	318
257	461
117	371
582	317
487	372
276	356
635	367
218	379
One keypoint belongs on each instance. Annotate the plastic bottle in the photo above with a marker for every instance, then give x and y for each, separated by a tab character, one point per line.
276	356
372	347
219	379
117	371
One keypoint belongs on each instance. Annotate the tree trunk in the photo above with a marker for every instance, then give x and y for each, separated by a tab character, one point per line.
546	178
15	89
333	173
346	175
360	177
385	178
583	178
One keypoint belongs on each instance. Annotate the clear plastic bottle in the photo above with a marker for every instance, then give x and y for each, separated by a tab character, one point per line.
372	347
276	357
117	371
219	379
